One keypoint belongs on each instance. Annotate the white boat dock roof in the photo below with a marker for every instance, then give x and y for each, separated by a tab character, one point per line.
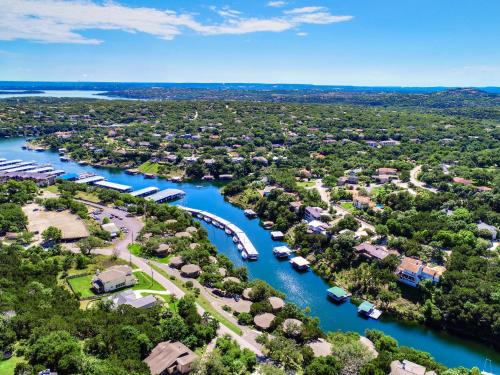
89	180
16	165
57	172
21	168
144	192
41	170
166	195
112	185
8	162
248	246
282	249
300	262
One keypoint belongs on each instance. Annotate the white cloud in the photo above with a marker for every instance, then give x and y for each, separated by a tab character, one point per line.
62	21
301	33
276	4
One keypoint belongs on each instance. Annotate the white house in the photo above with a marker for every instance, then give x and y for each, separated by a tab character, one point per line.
115	277
412	271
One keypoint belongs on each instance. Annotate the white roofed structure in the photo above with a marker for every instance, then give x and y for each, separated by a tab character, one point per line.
166	195
89	180
112	185
145	192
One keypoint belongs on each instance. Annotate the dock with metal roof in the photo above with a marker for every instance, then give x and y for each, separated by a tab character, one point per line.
248	248
166	195
18	164
89	180
22	167
9	162
113	185
41	170
145	192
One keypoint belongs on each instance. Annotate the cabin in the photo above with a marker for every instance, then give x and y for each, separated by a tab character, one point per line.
369	251
114	278
170	358
362	202
337	294
300	264
317	226
313	213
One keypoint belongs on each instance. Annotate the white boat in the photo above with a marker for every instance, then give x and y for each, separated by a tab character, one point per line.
240	247
235	239
207	219
244	255
227	231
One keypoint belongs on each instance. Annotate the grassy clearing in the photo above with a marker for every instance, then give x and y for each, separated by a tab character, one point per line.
7	366
306	184
203	302
87	196
52	189
146	282
347	206
81	285
135	249
149	167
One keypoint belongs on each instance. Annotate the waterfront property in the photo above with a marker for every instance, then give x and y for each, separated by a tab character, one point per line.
166	195
412	271
250	213
337	294
89	180
406	367
145	192
114	278
277	235
112	185
368	309
282	251
41	179
369	251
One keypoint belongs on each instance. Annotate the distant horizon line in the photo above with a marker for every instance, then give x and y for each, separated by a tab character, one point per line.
243	83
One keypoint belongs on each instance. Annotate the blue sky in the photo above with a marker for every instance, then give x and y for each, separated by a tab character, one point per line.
344	42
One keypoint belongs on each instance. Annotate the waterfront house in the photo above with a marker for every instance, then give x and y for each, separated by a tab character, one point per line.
300	264
412	271
114	278
170	358
337	294
317	226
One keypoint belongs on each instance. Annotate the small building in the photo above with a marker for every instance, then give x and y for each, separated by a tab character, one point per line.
361	202
366	308
170	358
111	228
462	181
317	226
295	206
387	171
263	321
130	298
337	294
313	213
176	262
292	326
162	250
282	251
114	278
250	213
300	263
406	367
191	271
412	271
351	179
277	235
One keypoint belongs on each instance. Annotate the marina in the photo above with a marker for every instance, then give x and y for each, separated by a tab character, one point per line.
306	289
144	192
166	195
114	186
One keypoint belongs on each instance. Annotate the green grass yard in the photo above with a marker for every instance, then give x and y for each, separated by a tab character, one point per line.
149	167
306	184
347	206
7	366
146	282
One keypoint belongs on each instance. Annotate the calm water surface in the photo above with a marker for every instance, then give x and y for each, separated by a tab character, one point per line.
59	94
304	289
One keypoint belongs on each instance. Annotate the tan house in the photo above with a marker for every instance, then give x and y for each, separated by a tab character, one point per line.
361	202
113	278
406	367
170	358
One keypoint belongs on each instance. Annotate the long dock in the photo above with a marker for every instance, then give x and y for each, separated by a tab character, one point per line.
145	192
248	248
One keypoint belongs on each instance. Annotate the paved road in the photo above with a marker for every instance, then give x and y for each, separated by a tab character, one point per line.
413	179
325	196
134	225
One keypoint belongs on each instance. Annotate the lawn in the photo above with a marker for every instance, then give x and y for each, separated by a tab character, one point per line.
347	206
87	196
306	184
149	167
135	249
146	282
7	367
81	285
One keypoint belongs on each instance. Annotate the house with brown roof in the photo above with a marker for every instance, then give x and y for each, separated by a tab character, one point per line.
412	271
462	181
370	251
115	277
406	367
387	171
361	202
170	358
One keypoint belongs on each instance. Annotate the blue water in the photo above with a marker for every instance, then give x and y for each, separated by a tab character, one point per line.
304	289
60	94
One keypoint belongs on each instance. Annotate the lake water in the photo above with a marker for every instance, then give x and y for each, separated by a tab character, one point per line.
304	289
59	94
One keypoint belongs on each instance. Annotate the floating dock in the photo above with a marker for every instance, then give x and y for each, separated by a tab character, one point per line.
22	167
9	162
112	185
248	249
16	165
166	195
145	192
89	180
41	170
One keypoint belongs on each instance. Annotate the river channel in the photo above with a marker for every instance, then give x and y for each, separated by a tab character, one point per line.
304	289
